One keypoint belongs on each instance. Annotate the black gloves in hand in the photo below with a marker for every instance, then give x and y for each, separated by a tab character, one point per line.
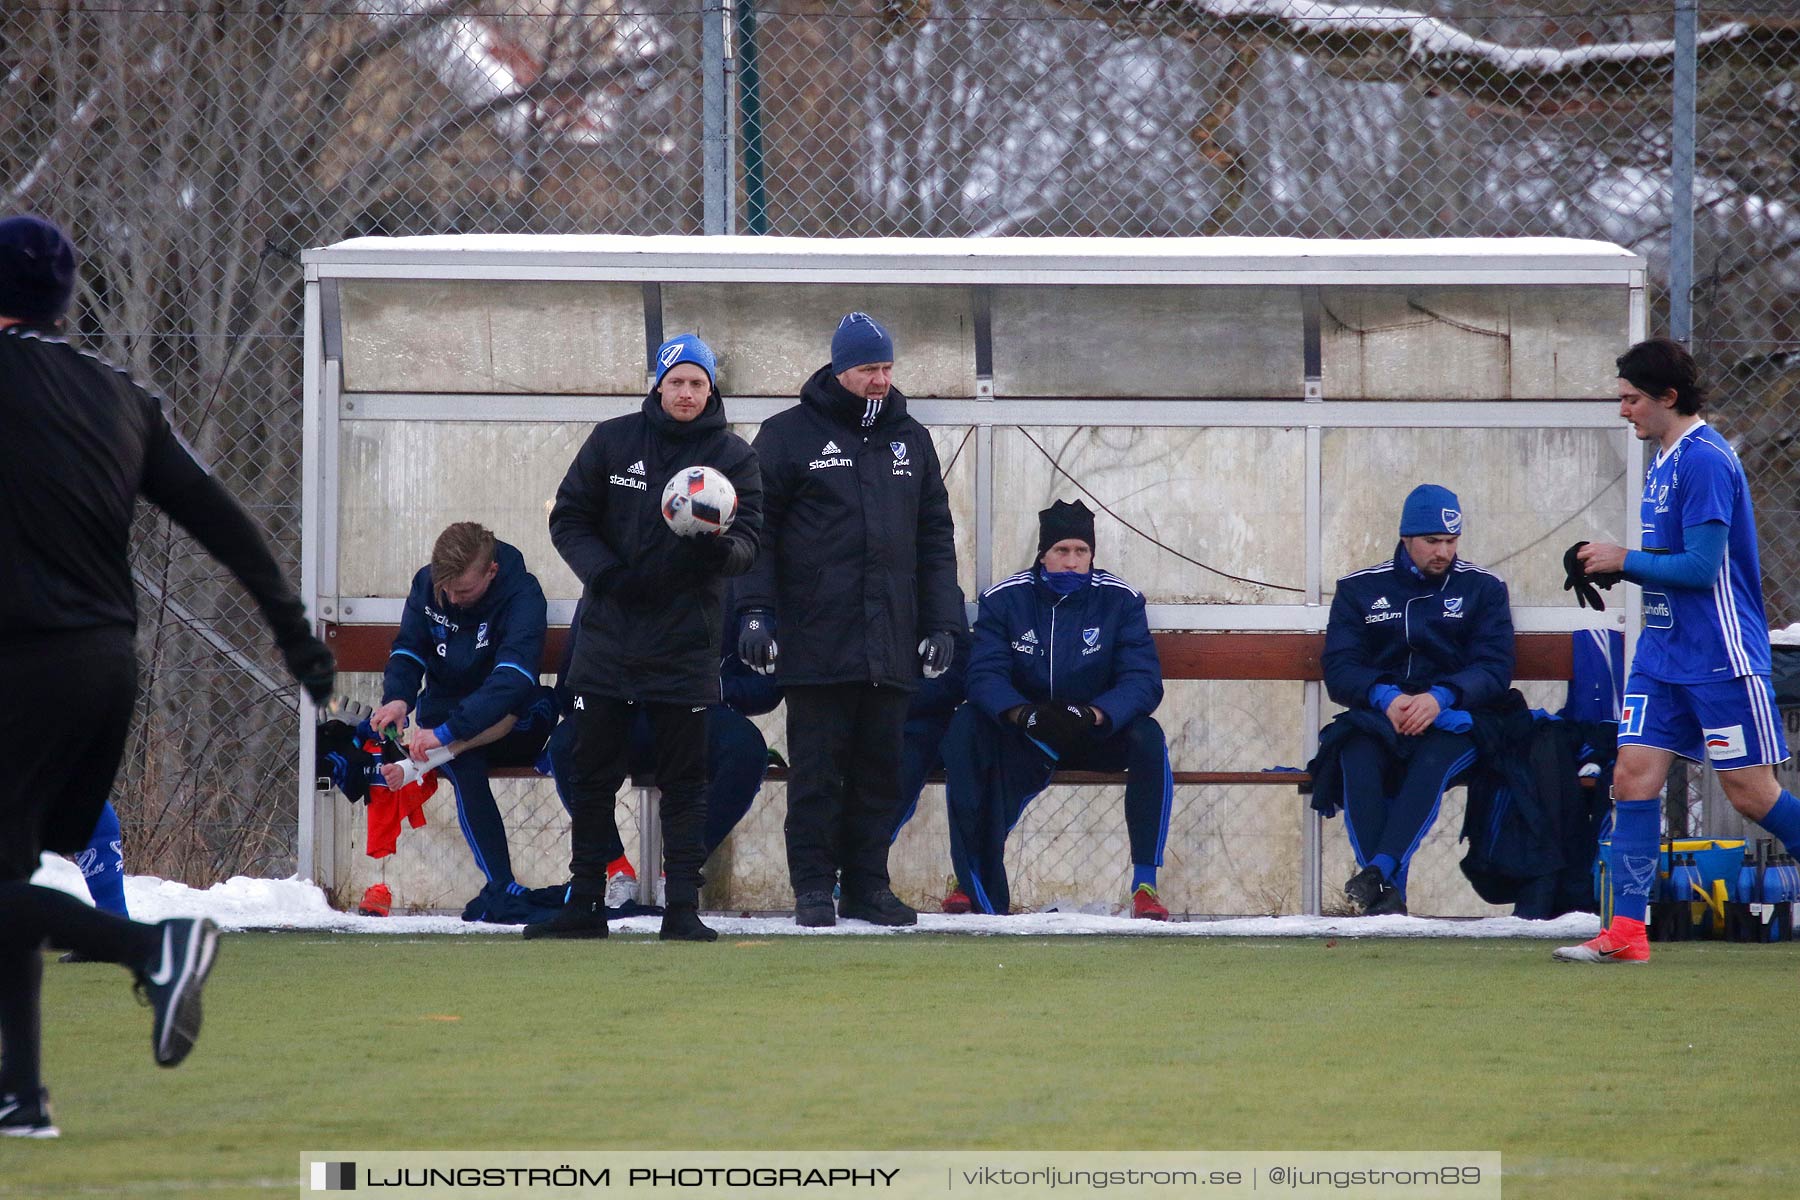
936	653
699	558
1577	579
1061	727
756	641
311	664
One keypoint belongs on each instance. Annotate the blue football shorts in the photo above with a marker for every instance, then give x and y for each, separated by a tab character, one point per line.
1731	723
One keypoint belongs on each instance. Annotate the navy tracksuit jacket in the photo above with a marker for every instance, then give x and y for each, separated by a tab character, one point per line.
478	664
1392	627
1031	646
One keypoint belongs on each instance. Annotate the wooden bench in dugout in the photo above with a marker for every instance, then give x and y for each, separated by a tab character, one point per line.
1192	655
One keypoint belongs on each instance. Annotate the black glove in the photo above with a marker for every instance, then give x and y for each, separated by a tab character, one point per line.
1061	727
311	664
699	559
756	641
1577	579
936	653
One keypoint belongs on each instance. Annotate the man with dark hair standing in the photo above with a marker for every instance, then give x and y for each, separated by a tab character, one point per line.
649	629
82	443
1700	681
1417	646
859	569
473	634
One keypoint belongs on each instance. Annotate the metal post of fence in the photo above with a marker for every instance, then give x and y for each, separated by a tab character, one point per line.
715	130
756	201
1681	172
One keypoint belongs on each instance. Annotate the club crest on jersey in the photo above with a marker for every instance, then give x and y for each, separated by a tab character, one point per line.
1453	606
1452	520
1725	744
1091	638
481	635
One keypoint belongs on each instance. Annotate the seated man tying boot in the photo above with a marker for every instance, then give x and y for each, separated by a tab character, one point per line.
1416	648
1064	674
473	634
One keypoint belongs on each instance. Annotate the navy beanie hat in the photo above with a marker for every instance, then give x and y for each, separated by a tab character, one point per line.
685	348
37	270
1062	521
860	340
1430	508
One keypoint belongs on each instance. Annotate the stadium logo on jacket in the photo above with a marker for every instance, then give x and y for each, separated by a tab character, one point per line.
626	481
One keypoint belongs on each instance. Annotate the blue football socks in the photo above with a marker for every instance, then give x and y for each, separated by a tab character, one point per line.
1784	822
1636	846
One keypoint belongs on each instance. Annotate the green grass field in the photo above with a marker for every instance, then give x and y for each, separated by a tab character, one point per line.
327	1042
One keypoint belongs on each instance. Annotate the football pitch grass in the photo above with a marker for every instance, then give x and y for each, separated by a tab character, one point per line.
323	1042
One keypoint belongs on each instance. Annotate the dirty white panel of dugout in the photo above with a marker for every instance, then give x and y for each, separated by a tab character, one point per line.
1147	341
1527	495
1232	498
1468	343
771	336
472	336
402	482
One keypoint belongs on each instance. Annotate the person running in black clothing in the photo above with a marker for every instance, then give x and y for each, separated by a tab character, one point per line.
859	569
83	442
649	628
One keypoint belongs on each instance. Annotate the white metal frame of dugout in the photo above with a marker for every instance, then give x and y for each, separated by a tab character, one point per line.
981	265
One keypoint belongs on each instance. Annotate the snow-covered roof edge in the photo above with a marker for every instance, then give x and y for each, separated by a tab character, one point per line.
1005	258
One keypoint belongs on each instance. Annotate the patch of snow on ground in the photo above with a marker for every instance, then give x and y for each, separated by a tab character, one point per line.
242	903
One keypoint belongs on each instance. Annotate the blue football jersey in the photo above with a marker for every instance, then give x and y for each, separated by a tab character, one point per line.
1694	635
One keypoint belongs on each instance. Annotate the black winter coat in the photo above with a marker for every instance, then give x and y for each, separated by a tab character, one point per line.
859	554
82	442
607	524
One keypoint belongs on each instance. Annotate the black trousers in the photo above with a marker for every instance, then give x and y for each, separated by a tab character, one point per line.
844	795
602	758
66	707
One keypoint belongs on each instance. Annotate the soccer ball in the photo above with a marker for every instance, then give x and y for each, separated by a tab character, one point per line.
699	500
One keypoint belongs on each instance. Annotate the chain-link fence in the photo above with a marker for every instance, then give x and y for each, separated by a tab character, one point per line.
195	148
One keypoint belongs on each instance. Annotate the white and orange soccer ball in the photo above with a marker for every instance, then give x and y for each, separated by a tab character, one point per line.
699	500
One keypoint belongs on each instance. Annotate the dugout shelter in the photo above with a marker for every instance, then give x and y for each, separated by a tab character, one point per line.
1245	412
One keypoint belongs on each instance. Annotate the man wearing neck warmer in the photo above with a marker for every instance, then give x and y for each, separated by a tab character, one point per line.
651	607
1416	648
1063	674
853	597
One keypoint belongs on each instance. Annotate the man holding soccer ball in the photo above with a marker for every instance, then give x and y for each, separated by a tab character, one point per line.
645	520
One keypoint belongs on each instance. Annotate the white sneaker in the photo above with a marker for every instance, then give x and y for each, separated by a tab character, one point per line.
621	888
